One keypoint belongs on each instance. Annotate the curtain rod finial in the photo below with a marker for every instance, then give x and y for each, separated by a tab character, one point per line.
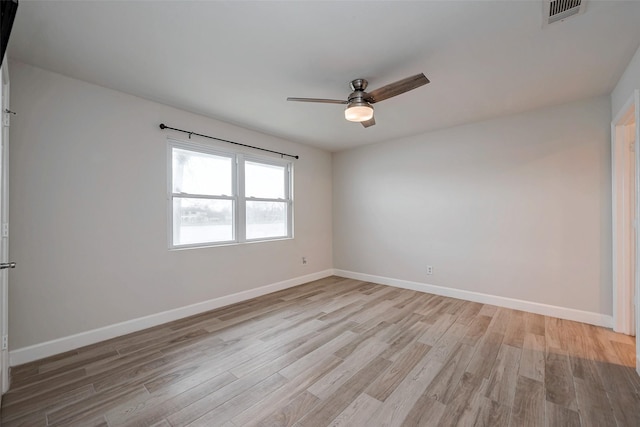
162	126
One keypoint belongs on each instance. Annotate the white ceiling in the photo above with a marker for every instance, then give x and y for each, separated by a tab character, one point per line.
238	61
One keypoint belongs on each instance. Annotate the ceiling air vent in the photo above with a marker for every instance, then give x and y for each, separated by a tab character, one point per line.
559	10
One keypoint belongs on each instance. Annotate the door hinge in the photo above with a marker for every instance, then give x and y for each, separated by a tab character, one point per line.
5	342
5	229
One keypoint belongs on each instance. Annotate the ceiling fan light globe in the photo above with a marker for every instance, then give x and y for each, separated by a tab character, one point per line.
358	112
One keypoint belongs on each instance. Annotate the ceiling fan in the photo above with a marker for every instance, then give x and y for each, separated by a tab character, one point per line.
359	108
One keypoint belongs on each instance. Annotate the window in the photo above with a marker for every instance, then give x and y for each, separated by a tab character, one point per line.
225	198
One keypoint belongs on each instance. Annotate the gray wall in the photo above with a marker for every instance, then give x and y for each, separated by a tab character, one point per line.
517	207
88	213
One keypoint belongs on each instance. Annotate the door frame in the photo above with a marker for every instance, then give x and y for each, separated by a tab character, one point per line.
626	280
4	236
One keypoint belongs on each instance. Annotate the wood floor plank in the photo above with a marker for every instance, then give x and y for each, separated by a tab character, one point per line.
372	312
559	416
444	384
534	324
332	381
42	405
485	356
492	414
309	360
528	404
488	310
389	380
426	412
294	387
554	337
163	402
558	380
331	407
625	353
624	398
63	383
339	352
593	405
200	416
158	369
448	342
287	415
306	345
459	410
533	355
34	419
501	320
477	329
399	327
514	335
357	413
348	349
291	328
437	329
503	380
397	347
25	373
92	407
469	313
402	401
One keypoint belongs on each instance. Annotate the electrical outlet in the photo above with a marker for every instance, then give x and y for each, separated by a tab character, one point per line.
304	259
429	269
5	342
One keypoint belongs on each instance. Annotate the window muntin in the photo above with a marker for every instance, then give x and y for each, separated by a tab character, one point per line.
225	198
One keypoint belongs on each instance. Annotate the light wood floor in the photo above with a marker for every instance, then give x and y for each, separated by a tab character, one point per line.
344	353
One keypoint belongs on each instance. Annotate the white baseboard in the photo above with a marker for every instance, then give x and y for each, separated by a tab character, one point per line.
60	345
597	319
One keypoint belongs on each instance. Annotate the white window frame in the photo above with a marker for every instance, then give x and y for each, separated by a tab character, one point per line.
238	192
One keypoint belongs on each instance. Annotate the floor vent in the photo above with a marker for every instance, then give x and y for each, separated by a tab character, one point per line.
559	10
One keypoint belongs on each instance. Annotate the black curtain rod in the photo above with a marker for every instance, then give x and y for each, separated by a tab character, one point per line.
163	126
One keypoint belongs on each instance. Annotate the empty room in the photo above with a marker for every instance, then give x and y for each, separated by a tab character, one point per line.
320	213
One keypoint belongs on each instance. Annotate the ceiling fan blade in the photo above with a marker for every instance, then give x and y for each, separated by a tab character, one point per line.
397	88
324	101
370	122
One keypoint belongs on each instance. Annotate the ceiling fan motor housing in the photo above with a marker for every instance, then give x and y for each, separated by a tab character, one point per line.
358	109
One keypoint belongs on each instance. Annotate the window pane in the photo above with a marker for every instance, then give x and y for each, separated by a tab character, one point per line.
202	221
201	173
264	181
266	219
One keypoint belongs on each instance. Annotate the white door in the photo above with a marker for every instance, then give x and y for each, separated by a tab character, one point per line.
4	243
